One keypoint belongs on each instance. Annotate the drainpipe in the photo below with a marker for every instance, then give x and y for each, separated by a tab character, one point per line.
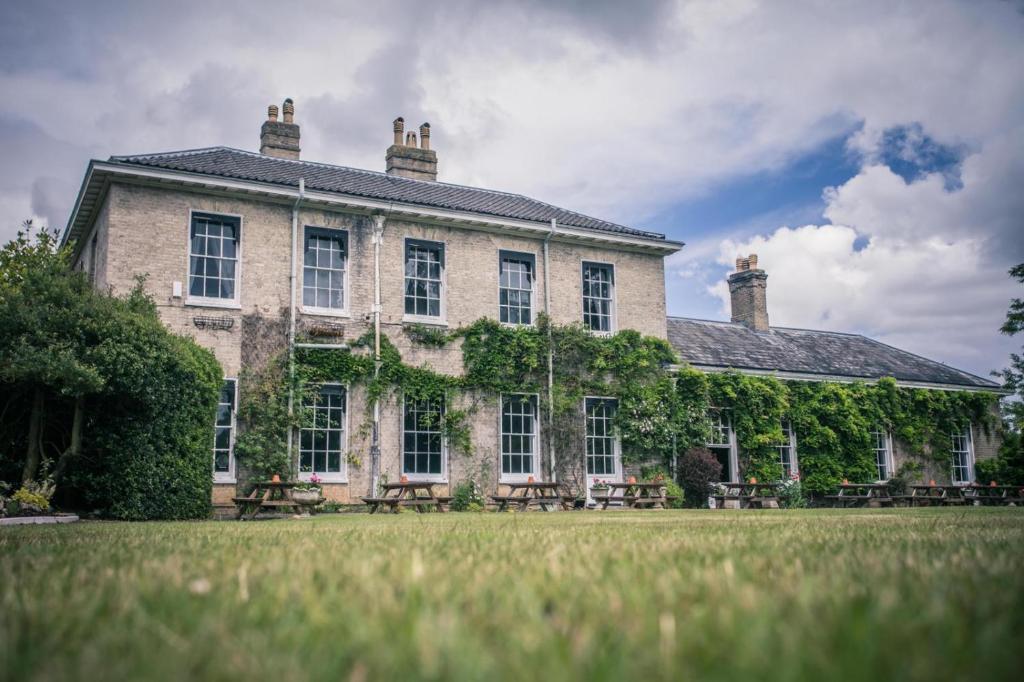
291	312
551	357
378	238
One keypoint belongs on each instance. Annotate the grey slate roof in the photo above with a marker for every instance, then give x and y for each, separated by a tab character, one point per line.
242	165
730	345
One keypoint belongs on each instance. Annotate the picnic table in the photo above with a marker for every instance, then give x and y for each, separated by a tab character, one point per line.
993	495
933	495
643	495
751	495
862	495
418	495
546	495
266	495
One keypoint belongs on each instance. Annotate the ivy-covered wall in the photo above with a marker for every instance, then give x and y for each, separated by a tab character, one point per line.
662	412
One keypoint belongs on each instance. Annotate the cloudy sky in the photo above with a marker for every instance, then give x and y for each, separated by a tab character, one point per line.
870	152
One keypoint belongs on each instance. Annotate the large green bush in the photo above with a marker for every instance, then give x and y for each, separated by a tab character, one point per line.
99	395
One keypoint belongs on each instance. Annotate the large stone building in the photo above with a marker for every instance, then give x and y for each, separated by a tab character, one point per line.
243	250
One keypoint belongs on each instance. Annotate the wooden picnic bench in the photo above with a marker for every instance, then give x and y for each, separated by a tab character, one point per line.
935	495
993	495
546	495
862	495
418	495
266	495
636	495
748	496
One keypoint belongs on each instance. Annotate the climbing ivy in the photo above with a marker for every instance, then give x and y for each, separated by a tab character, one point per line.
661	412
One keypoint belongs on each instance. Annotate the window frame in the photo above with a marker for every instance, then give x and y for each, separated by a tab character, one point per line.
531	258
229	476
440	320
535	455
344	310
204	301
733	473
789	433
968	436
612	300
340	476
887	442
616	445
441	477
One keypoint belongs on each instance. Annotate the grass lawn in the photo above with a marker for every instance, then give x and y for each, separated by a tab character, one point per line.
929	594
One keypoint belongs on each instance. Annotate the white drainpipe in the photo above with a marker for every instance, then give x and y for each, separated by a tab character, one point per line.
291	310
378	238
551	357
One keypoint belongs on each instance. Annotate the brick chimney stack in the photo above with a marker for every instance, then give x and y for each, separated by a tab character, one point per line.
407	160
280	139
748	288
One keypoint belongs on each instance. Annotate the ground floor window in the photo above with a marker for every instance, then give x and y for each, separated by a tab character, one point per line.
518	435
601	442
224	433
322	437
721	443
883	454
787	451
963	460
423	437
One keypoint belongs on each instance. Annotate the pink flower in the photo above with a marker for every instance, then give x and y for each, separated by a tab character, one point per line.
314	479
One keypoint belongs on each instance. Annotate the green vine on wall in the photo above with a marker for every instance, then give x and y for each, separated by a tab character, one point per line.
661	412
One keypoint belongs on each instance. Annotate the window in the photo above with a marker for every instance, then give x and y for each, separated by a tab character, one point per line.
787	451
515	287
423	437
518	435
224	430
323	271
424	267
721	443
93	248
601	442
963	464
883	454
322	436
213	257
598	283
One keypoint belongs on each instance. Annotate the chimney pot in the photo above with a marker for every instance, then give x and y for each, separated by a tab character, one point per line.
280	138
405	160
748	291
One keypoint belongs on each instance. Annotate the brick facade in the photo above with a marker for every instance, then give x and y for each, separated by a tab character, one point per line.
144	230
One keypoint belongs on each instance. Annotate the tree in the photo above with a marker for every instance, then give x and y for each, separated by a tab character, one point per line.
96	393
1009	467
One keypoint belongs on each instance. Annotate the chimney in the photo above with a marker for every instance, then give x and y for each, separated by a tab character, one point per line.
747	286
280	139
406	160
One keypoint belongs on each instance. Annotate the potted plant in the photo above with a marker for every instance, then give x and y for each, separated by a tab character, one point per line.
599	488
307	493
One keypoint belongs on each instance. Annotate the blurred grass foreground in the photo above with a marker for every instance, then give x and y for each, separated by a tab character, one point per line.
910	594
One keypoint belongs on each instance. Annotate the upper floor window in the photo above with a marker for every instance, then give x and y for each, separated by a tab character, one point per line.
602	445
323	270
93	249
213	257
423	437
963	458
883	454
224	433
518	435
787	450
721	443
598	302
515	287
322	436
424	271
